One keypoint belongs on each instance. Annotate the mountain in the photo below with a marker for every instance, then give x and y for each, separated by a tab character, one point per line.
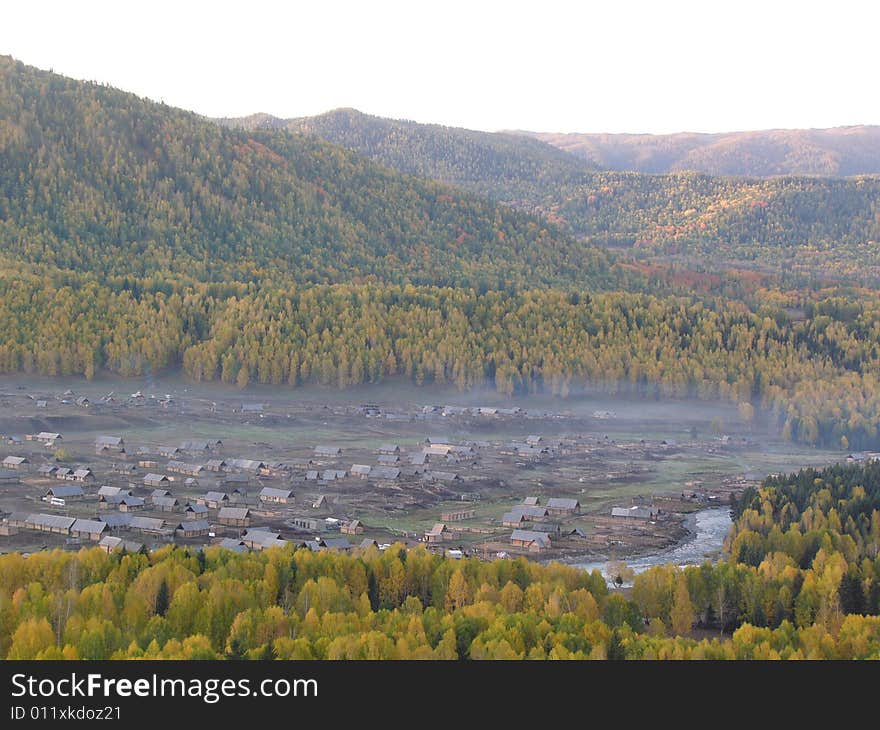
804	225
836	152
100	181
506	167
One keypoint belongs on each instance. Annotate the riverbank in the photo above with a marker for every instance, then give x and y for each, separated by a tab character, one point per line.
706	532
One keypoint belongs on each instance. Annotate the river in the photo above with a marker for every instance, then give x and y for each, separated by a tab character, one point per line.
710	528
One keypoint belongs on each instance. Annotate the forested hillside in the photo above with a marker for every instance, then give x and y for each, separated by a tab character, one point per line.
98	180
808	226
835	152
802	582
136	238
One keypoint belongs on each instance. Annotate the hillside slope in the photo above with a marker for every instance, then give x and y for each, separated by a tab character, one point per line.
100	181
811	226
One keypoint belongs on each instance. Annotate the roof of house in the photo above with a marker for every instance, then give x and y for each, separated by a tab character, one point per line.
193	526
47	469
389	448
52	521
532	501
195	446
388	458
311	474
419	458
199	509
114	543
48	436
368	542
385	472
163	501
335	543
529	510
264	537
273	492
234	544
562	503
216	496
513	517
64	490
130	501
438	528
16	460
234	513
246	464
117	519
82	473
90	526
236	479
362	469
146	523
529	536
645	513
154	478
215	463
443	476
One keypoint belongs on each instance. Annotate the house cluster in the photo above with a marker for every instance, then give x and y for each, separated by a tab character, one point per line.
486	411
46	438
95	530
533	523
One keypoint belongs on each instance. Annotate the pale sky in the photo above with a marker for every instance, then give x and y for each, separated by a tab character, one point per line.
546	65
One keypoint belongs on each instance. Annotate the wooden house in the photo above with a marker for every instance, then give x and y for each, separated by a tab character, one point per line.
192	528
562	506
234	516
276	496
18	463
214	500
153	481
195	511
438	533
89	529
355	527
530	540
109	443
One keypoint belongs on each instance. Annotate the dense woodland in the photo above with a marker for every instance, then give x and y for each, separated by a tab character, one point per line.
97	180
816	376
804	226
802	581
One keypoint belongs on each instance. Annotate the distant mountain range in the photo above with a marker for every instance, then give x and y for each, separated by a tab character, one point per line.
506	167
809	224
836	152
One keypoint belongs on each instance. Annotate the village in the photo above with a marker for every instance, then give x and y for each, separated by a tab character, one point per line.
510	481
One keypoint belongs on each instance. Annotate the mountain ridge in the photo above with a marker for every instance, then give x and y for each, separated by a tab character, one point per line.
829	152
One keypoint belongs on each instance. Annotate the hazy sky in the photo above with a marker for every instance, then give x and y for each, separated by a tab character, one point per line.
547	65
